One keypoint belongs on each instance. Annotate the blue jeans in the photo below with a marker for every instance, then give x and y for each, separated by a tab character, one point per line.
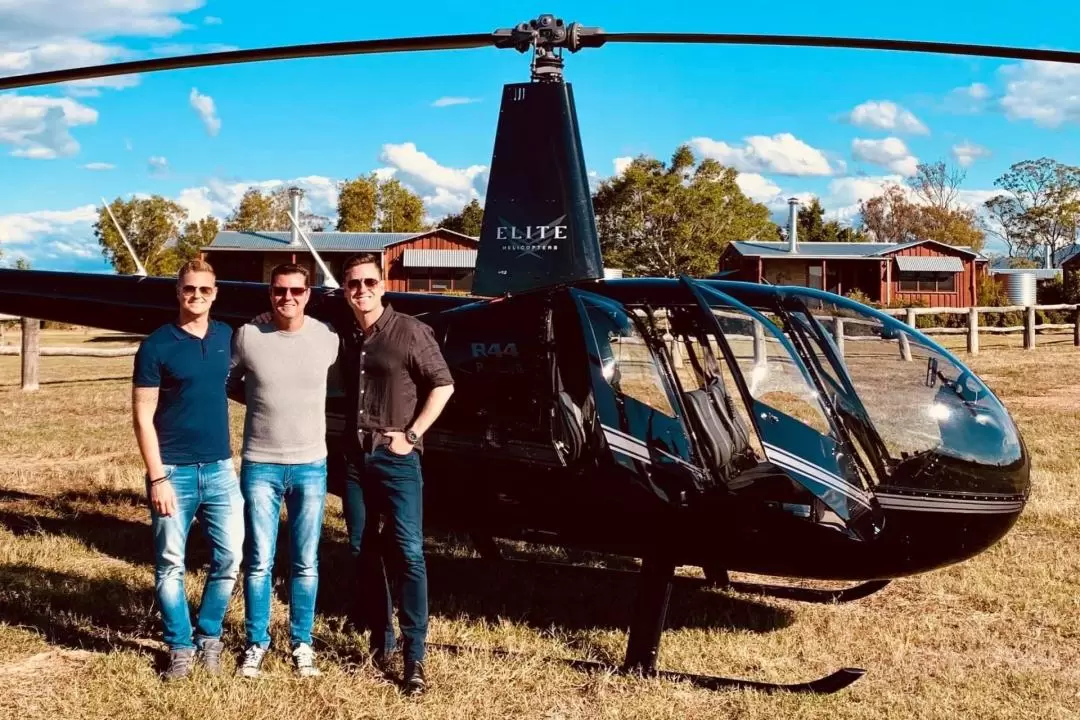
384	483
303	487
209	491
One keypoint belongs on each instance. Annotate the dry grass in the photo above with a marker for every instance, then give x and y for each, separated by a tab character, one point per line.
996	637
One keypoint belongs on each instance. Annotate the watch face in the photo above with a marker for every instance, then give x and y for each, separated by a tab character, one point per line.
411	436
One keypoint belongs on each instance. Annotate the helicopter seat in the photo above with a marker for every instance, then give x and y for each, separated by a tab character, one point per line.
723	436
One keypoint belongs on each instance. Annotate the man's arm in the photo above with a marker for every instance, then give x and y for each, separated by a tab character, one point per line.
429	363
234	383
143	404
433	407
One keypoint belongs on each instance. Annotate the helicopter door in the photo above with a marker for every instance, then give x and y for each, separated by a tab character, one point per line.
794	428
637	408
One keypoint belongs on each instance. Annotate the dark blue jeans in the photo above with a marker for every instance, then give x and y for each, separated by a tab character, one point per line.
383	483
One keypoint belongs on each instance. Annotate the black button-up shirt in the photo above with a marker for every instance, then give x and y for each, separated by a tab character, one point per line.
388	373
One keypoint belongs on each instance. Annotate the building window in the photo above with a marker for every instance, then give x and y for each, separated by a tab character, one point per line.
440	280
418	282
927	282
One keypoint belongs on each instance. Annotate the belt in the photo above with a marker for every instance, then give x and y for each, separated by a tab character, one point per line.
368	440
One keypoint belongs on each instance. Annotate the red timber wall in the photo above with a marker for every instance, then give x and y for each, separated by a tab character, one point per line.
393	256
964	295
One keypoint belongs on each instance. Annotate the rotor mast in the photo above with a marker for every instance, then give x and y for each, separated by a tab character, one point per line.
548	36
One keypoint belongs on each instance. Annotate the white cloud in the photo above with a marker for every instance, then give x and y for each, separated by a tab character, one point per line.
158	165
22	228
781	154
191	48
967	153
621	163
99	166
212	20
451	100
1046	93
443	189
887	115
218	197
204	106
968	99
49	18
758	187
890	153
38	127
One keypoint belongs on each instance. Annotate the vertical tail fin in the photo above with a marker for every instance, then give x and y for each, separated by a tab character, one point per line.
539	228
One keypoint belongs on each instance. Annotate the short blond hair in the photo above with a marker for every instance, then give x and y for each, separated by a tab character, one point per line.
195	265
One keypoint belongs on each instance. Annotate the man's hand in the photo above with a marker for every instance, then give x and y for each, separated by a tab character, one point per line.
398	444
263	318
163	498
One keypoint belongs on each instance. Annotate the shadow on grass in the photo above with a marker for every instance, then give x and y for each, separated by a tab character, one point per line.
547	597
74	611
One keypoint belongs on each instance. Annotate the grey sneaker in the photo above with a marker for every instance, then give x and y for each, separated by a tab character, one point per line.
180	664
210	654
304	659
251	665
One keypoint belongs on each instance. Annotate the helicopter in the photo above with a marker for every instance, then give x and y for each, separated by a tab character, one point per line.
731	426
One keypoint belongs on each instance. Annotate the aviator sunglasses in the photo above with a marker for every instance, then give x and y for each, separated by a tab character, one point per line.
190	290
355	283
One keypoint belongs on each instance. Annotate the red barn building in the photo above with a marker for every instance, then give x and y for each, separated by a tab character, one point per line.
437	260
924	272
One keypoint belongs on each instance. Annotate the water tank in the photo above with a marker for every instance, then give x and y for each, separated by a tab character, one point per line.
1020	288
612	273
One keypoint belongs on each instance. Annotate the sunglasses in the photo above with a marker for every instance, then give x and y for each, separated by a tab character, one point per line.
190	290
280	292
355	283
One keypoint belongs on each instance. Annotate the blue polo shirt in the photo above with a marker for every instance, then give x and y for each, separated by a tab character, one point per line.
192	416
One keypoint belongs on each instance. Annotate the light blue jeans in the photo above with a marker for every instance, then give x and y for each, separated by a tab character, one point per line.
303	488
210	492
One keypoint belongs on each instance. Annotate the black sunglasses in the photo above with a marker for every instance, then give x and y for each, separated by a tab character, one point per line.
355	283
280	292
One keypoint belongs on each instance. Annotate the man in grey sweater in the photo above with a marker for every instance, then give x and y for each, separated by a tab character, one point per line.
280	369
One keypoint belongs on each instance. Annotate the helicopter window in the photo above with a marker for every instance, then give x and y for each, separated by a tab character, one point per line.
772	375
627	362
917	397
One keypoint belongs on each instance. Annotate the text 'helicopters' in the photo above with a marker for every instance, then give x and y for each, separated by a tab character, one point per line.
776	430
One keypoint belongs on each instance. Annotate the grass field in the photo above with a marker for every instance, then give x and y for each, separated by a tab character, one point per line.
996	637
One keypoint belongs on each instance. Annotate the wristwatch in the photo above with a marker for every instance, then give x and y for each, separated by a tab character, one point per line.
411	436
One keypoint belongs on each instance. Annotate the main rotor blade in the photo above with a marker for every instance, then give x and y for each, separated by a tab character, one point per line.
229	57
1065	56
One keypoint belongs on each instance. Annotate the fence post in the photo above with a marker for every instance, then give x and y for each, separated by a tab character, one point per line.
30	349
838	335
1076	327
910	317
1029	328
759	343
973	330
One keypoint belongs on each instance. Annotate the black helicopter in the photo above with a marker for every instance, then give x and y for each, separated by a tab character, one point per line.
782	431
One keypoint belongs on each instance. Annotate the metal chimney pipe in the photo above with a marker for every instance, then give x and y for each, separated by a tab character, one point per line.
295	194
793	225
1048	257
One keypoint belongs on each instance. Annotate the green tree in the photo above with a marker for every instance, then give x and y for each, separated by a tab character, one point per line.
152	226
813	228
399	209
467	222
358	204
22	264
1040	208
197	235
269	212
657	219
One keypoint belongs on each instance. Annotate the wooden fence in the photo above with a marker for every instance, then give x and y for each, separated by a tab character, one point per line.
31	350
1030	328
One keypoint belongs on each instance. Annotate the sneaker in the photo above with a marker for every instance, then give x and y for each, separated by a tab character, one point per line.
180	664
250	666
210	654
414	683
304	659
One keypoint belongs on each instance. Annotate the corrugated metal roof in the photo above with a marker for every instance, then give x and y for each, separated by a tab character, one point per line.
923	263
341	241
439	258
1039	273
827	250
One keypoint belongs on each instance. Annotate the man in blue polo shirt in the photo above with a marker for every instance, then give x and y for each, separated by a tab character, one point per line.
181	418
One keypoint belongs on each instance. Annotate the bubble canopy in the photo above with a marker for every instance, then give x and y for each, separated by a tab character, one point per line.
905	401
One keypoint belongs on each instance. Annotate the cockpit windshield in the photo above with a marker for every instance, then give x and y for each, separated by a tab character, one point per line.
918	397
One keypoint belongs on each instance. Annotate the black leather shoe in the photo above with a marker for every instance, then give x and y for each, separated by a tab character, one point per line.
414	683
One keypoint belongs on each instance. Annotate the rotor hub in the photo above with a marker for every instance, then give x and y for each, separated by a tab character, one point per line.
548	36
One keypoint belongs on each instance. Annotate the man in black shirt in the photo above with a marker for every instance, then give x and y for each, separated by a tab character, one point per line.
390	364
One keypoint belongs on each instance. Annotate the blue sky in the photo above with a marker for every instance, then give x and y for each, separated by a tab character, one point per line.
832	123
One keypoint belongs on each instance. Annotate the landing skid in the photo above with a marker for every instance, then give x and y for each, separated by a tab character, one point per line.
720	579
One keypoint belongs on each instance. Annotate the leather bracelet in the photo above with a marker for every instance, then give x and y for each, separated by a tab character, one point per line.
159	480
